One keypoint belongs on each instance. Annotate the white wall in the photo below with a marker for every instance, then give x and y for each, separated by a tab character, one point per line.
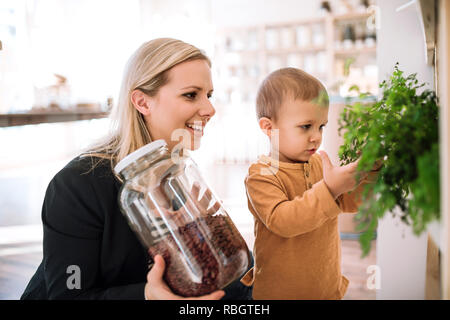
401	256
252	12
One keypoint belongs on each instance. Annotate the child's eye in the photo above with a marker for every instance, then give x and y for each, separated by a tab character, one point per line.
190	95
321	127
306	126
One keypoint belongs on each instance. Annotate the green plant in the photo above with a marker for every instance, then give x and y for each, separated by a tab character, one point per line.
402	130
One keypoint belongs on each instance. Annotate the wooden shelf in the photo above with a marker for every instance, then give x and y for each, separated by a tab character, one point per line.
352	16
21	119
289	24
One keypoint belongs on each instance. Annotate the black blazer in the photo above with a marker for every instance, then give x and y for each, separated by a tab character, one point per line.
83	227
85	234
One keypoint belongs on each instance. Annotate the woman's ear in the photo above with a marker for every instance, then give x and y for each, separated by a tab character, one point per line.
141	102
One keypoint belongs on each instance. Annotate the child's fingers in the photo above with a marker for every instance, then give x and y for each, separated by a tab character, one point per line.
378	164
326	162
352	165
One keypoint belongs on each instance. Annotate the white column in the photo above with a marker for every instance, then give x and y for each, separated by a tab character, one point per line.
401	255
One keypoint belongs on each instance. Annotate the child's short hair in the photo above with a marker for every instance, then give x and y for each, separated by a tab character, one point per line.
288	83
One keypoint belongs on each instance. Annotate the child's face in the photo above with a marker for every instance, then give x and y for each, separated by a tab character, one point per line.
300	126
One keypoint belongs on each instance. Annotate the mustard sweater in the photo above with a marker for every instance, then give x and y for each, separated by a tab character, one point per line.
297	247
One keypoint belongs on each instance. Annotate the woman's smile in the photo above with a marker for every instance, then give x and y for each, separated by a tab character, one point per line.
196	128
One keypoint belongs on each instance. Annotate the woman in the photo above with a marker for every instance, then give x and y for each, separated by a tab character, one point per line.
89	250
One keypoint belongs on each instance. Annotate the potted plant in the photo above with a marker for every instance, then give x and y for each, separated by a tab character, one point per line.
401	128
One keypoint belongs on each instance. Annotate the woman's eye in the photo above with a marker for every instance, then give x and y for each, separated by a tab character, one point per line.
190	95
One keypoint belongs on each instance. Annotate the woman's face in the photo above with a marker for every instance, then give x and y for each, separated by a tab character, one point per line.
181	108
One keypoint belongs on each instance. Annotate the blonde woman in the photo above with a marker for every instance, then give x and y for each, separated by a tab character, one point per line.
89	250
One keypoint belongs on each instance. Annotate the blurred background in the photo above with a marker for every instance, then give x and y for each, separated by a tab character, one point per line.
61	63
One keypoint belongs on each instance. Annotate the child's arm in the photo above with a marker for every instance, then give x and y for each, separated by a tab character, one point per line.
284	217
350	202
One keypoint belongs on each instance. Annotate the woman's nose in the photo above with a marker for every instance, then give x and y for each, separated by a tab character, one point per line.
207	110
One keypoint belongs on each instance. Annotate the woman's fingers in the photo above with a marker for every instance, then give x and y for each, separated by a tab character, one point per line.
157	289
157	271
195	191
205	200
214	208
216	295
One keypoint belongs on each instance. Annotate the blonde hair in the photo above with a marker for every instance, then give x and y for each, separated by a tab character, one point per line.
288	83
147	71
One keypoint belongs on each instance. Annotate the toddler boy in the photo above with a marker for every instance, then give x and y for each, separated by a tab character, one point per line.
295	195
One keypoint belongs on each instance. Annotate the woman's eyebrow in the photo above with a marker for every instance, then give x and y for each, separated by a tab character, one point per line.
192	87
196	88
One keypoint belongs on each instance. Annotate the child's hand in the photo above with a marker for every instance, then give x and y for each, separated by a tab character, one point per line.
378	164
338	179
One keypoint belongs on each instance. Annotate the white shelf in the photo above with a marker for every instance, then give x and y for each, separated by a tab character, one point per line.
276	45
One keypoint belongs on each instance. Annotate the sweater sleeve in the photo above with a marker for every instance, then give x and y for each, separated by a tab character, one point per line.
289	218
350	202
73	229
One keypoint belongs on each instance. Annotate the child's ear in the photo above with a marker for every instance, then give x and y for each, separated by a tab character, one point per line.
141	102
266	126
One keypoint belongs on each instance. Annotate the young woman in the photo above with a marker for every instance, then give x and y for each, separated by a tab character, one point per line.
90	252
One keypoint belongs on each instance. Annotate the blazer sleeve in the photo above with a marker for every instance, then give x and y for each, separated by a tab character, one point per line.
73	226
289	218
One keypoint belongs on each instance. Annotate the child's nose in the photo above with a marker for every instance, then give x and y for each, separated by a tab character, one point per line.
316	137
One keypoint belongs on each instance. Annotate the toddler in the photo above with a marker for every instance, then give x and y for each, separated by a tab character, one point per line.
296	195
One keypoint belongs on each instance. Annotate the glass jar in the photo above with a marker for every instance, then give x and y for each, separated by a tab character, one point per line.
175	214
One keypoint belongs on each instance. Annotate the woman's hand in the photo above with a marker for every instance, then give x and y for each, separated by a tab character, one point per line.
157	289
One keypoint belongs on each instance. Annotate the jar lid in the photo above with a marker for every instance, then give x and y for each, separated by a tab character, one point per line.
142	151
